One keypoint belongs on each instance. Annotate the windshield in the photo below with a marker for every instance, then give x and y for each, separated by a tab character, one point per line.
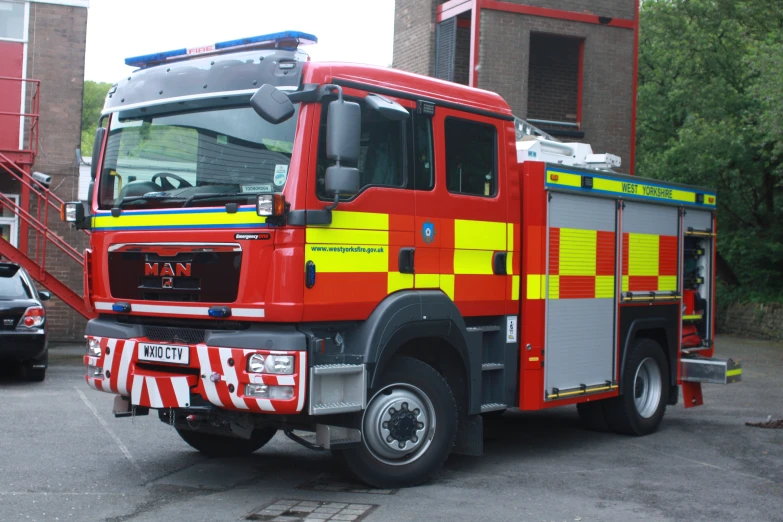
195	159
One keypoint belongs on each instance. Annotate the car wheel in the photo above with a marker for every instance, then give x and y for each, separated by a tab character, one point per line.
408	428
640	409
223	446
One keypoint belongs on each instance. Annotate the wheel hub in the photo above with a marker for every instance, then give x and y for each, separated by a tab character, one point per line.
647	388
399	424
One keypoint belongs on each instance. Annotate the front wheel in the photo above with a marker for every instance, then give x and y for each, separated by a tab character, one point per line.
226	446
408	428
640	410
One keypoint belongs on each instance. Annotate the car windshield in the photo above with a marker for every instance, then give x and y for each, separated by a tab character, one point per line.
12	286
195	158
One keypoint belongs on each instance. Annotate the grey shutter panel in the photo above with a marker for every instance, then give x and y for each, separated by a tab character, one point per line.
445	49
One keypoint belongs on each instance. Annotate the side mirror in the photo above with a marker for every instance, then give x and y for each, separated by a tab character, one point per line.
43	295
272	104
96	151
343	131
389	109
341	180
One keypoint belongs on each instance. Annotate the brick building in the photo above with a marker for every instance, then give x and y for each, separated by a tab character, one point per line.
568	66
44	40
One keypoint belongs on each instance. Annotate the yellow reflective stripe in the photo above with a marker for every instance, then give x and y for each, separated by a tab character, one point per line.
630	188
554	287
691	317
604	286
357	237
732	373
565	179
397	281
473	262
479	235
577	252
510	236
427	281
515	288
347	258
447	285
510	263
534	286
643	254
667	283
175	219
357	220
625	283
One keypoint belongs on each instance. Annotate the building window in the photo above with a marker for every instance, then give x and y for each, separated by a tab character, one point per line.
11	20
471	157
554	80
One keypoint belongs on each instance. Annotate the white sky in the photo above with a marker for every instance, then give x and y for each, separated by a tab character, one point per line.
347	30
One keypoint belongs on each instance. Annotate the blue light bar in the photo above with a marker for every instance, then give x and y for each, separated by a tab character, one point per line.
282	40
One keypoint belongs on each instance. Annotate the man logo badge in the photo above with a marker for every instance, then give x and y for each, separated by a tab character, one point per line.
168	282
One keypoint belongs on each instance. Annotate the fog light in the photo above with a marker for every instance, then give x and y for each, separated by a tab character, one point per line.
94	371
257	390
94	347
262	391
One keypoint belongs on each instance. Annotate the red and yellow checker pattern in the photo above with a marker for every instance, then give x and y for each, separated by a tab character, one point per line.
649	263
581	266
357	262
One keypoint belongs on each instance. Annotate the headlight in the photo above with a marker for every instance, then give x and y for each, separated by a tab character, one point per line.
94	347
278	364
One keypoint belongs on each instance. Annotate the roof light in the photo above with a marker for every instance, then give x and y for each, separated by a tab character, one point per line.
282	40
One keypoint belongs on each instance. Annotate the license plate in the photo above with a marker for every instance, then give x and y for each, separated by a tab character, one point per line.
166	353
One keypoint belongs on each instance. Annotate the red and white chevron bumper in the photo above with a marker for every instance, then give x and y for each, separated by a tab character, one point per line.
220	379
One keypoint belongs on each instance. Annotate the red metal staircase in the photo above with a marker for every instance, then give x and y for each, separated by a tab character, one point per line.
34	232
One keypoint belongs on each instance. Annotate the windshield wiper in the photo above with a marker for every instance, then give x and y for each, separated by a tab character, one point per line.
216	195
146	197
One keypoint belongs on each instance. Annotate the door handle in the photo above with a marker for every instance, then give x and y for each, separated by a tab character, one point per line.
405	260
499	263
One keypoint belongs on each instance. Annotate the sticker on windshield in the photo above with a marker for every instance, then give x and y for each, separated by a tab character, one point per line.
281	173
257	188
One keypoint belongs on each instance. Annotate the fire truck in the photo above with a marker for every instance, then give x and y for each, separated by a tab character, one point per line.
371	261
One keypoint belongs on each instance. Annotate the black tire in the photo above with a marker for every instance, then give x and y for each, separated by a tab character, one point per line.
430	446
592	415
222	446
623	413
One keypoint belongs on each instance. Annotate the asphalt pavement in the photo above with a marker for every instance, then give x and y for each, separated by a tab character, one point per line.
63	456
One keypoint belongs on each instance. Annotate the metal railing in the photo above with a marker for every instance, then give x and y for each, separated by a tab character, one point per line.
30	90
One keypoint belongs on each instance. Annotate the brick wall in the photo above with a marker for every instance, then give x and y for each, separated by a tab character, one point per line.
414	36
554	78
607	81
763	321
56	57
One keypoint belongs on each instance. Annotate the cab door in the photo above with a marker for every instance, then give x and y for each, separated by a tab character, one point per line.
356	258
461	222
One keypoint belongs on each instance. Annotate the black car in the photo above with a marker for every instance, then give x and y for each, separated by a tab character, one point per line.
22	322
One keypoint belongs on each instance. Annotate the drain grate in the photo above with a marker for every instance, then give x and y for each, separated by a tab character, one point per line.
293	510
335	483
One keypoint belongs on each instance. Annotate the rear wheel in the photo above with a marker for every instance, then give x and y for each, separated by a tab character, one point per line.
640	410
408	428
222	446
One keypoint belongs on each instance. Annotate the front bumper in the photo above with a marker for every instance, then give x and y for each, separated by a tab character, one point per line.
21	345
215	374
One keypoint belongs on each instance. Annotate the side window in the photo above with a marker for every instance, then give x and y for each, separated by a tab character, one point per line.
471	157
422	170
381	156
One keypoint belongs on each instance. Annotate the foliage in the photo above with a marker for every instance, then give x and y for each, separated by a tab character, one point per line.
711	113
92	104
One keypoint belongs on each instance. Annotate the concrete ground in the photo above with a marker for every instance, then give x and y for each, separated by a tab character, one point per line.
63	456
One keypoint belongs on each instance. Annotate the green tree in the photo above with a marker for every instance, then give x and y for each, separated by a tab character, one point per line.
92	104
711	113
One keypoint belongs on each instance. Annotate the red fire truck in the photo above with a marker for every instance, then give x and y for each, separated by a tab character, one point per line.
369	260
